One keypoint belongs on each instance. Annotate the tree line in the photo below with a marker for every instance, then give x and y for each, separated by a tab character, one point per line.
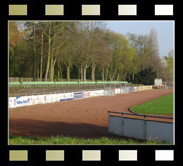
52	51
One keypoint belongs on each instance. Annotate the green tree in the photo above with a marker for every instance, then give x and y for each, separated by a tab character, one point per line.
170	65
121	56
154	58
14	36
145	77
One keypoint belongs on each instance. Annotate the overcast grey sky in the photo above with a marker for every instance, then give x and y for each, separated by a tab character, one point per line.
165	30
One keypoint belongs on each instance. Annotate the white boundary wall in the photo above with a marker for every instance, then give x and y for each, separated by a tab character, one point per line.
50	98
140	129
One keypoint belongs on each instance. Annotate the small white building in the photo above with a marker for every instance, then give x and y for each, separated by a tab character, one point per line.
158	82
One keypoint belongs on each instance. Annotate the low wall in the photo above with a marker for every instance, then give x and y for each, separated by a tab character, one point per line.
140	128
49	98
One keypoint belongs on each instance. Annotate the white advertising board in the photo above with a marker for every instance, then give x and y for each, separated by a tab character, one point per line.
86	94
135	89
46	98
22	101
117	91
92	93
52	98
12	102
40	99
33	100
57	97
101	92
69	95
97	93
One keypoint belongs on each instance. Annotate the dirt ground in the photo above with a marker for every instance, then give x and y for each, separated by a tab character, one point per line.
86	118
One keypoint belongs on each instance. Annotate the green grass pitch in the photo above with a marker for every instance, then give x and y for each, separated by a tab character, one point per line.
159	106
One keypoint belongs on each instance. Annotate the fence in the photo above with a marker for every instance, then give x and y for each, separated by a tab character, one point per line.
140	128
109	89
168	85
64	83
30	79
165	85
20	79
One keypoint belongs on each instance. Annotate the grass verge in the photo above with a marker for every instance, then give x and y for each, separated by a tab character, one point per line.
64	140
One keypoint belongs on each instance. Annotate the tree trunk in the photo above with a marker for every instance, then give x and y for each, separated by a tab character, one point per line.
133	76
41	59
61	74
110	77
81	72
35	56
54	62
107	72
118	77
78	74
41	68
37	72
85	74
58	72
51	68
68	73
93	71
113	77
125	77
103	71
48	61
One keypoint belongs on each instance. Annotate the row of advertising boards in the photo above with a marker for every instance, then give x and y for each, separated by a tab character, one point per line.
50	98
